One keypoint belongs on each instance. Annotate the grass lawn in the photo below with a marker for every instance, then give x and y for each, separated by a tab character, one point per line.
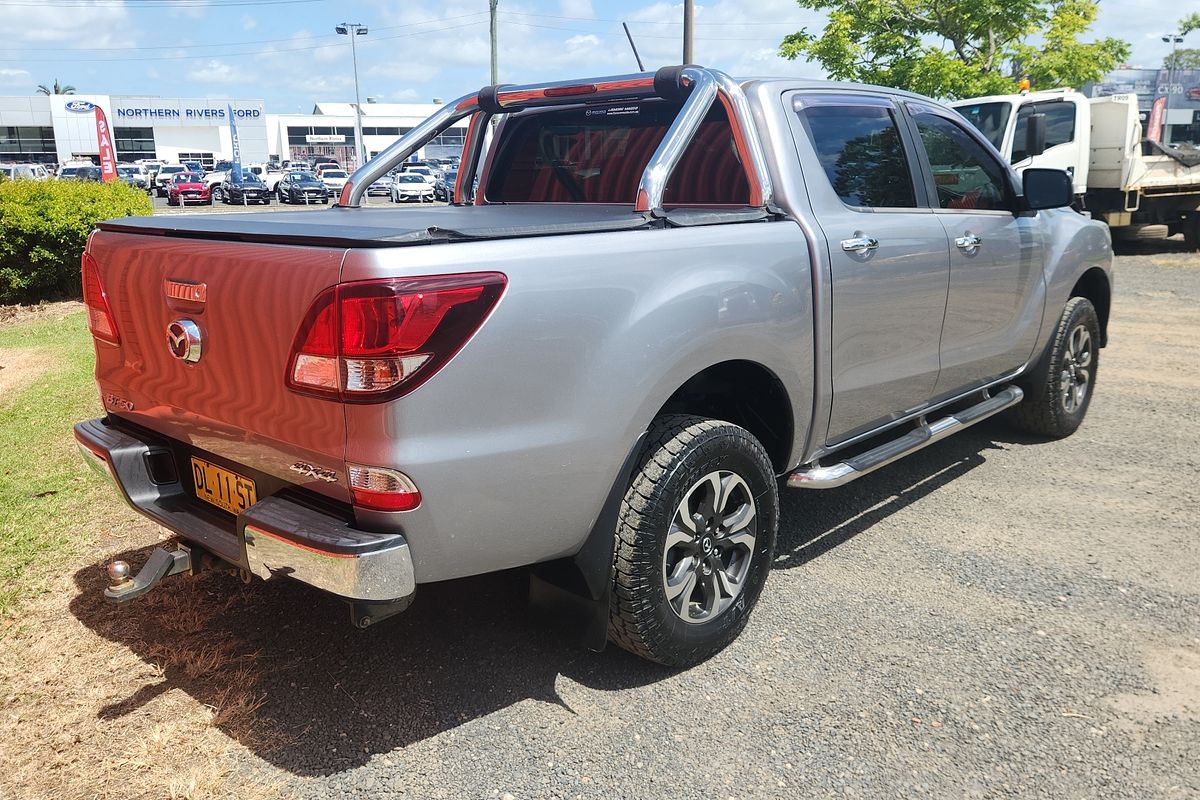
47	494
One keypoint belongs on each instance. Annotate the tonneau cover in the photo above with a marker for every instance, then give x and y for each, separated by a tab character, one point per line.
390	226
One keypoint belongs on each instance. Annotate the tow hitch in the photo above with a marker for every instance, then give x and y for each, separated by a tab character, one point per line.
161	564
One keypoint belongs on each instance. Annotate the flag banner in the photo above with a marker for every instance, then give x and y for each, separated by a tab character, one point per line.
236	172
1158	116
108	161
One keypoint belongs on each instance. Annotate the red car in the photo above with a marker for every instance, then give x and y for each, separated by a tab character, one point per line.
188	187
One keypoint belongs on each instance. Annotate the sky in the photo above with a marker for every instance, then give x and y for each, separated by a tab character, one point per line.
286	53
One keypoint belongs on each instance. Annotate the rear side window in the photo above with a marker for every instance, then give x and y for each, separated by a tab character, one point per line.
860	149
965	174
1060	126
597	155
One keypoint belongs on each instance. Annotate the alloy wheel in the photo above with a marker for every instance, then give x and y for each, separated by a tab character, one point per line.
709	547
1075	377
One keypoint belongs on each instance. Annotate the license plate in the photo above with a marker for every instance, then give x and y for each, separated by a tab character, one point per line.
224	489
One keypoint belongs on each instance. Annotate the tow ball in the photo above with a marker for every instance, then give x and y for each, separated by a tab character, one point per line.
161	564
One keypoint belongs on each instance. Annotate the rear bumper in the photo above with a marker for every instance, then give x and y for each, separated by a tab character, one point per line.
278	535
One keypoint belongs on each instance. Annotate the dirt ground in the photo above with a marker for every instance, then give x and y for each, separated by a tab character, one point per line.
992	617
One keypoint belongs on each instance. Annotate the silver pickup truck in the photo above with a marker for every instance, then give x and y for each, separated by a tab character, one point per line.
655	300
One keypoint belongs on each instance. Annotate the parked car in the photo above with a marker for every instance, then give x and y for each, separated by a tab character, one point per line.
194	167
381	187
334	180
166	174
606	368
249	190
302	187
28	172
86	174
71	168
427	174
188	187
407	187
133	175
321	166
443	189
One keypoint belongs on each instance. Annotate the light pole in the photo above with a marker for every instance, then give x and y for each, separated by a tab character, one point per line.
353	29
1173	39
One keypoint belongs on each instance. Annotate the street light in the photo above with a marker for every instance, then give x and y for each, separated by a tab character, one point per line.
353	29
1173	39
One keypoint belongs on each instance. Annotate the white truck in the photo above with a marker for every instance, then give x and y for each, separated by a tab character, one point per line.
1119	177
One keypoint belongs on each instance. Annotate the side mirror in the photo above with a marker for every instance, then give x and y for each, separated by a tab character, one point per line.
1035	135
1046	188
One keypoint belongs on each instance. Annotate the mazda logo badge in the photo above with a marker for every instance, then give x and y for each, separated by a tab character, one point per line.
183	338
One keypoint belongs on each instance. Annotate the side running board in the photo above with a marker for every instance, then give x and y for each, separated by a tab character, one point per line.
852	468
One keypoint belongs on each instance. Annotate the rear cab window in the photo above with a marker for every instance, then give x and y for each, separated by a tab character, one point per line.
596	154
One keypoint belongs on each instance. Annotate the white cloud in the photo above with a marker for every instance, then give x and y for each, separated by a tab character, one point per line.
15	77
249	23
101	25
215	71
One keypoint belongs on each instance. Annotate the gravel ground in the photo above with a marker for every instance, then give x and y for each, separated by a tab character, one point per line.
992	617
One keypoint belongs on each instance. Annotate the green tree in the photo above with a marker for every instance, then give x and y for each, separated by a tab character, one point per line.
1187	58
57	88
1189	23
957	48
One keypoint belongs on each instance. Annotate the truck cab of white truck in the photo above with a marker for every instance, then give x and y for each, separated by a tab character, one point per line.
1117	175
1066	120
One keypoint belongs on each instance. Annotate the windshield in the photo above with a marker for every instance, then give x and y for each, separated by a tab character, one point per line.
169	170
411	179
990	118
67	172
186	177
333	173
127	170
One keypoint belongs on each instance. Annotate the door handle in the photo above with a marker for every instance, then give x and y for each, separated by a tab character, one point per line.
969	243
860	244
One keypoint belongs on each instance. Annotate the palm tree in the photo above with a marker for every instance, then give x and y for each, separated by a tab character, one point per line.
57	88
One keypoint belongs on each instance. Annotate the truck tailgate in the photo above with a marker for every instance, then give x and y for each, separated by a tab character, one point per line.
232	403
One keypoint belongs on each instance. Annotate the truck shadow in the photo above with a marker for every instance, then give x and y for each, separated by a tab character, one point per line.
290	679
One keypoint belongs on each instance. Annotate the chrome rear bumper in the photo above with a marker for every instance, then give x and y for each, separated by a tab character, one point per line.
275	536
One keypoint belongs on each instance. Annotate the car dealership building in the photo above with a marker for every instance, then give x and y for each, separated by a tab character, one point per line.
58	128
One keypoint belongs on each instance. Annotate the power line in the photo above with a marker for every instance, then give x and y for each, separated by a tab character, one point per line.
639	21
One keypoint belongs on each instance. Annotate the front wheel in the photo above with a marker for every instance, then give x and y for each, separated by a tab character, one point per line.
1062	386
694	541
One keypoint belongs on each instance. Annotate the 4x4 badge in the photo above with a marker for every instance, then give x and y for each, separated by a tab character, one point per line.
183	337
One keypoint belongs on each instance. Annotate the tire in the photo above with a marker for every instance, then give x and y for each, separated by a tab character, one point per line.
1191	231
655	554
218	194
1065	379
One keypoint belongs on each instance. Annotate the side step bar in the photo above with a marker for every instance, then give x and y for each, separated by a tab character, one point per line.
852	468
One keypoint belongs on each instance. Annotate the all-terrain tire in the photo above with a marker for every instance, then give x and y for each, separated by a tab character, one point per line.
681	455
1048	410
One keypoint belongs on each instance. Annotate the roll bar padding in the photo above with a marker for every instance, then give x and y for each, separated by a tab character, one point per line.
488	101
668	82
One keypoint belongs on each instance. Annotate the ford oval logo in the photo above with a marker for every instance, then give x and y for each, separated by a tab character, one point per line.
81	106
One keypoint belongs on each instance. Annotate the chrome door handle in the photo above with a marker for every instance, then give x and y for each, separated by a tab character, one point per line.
969	243
860	244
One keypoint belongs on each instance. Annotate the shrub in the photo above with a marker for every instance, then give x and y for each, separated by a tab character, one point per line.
44	226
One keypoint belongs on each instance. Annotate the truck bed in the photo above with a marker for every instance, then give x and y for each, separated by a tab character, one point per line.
389	226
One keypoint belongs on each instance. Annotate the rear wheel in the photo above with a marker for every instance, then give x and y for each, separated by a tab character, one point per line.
1191	231
1061	393
694	541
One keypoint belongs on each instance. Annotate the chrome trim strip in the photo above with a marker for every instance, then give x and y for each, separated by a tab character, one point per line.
377	575
853	468
98	464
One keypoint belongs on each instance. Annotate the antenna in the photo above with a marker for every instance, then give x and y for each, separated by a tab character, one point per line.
629	36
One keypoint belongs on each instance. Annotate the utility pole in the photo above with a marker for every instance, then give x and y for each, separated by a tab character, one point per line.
354	30
1173	39
495	70
689	18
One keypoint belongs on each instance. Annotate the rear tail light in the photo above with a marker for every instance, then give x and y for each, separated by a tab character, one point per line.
374	340
381	489
100	318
